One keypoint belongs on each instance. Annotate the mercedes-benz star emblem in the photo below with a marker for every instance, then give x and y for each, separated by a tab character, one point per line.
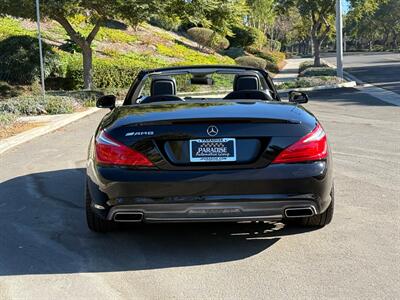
212	130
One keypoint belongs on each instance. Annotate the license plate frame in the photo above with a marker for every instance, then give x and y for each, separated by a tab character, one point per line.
212	150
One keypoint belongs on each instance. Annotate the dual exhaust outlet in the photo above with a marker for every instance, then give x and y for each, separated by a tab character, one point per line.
291	212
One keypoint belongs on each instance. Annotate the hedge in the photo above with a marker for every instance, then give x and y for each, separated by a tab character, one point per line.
323	71
105	75
308	64
310	82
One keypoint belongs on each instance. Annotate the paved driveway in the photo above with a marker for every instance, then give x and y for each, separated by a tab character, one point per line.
46	251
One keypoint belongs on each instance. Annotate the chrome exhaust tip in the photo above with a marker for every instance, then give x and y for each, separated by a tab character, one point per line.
126	216
299	212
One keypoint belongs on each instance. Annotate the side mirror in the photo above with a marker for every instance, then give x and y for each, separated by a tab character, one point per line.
107	101
298	97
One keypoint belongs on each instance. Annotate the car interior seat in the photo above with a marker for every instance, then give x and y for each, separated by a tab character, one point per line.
248	86
162	88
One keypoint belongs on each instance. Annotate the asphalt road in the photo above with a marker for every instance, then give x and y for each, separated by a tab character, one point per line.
379	69
47	252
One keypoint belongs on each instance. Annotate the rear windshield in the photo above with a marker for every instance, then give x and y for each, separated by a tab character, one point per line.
218	86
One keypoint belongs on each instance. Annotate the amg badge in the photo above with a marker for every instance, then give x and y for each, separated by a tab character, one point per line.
139	133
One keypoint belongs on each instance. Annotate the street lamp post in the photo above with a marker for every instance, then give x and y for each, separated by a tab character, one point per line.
339	39
40	48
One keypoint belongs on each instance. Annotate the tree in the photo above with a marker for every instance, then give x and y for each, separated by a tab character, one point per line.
96	11
262	14
293	31
374	22
321	13
225	15
218	15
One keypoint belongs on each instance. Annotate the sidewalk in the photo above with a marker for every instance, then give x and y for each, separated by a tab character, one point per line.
290	70
48	124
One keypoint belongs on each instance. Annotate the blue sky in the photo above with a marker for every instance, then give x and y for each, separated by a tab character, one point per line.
345	5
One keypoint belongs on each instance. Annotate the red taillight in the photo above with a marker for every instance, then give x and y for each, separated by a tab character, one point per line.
112	152
311	147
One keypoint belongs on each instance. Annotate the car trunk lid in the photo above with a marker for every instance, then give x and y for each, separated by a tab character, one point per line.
167	133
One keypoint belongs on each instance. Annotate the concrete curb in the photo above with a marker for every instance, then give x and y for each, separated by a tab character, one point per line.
348	84
25	136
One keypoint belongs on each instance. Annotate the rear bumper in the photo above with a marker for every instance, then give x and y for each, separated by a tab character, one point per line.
207	212
228	195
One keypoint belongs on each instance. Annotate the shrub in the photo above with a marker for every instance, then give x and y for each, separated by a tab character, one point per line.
322	71
308	64
277	56
36	105
251	61
60	105
19	60
207	38
220	43
201	36
272	56
246	36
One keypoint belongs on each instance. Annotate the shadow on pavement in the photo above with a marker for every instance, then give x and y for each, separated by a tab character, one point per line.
380	73
43	231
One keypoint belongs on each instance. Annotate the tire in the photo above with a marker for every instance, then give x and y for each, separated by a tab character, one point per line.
94	222
318	220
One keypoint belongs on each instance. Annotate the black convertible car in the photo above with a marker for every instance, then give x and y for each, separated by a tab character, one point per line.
208	143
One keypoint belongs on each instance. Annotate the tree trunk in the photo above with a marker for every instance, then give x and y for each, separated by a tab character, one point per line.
85	44
395	42
87	67
317	52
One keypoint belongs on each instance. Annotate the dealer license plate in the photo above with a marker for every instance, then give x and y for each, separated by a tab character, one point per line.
213	150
